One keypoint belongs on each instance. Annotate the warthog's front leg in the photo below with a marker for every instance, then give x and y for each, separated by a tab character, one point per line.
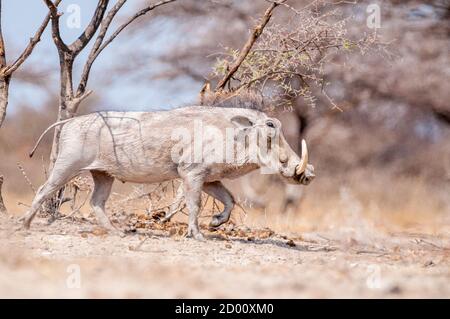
193	185
218	191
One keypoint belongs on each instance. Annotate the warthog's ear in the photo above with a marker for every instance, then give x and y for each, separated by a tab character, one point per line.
242	121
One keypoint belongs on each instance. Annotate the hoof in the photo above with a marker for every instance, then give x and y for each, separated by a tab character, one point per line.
196	235
199	237
114	231
26	221
216	222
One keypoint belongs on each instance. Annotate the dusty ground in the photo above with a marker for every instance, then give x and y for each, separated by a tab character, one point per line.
159	262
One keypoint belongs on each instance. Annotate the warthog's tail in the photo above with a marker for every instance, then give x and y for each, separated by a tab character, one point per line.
45	132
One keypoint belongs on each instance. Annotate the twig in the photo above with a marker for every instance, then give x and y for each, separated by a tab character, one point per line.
420	240
215	206
204	204
56	35
23	204
100	48
44	168
78	45
30	47
93	54
26	177
243	210
257	31
78	208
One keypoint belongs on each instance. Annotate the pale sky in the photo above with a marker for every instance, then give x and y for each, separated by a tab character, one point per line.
21	18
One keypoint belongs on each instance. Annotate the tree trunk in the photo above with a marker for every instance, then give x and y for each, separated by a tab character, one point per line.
65	95
52	205
68	107
4	89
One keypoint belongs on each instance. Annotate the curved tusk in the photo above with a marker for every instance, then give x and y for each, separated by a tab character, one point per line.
304	161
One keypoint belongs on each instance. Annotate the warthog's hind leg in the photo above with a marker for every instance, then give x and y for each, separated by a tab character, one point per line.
102	189
44	192
218	191
292	196
59	176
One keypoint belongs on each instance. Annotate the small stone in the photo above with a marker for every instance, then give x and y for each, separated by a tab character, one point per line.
98	231
241	233
291	243
266	233
228	246
173	232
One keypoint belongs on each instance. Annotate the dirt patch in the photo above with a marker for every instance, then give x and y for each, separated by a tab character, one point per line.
75	258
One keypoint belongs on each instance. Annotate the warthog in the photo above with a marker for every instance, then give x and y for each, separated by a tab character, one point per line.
152	147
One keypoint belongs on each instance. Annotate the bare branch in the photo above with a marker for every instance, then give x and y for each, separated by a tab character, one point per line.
30	47
268	75
248	45
102	46
91	29
93	54
56	35
76	210
25	176
129	21
206	89
2	44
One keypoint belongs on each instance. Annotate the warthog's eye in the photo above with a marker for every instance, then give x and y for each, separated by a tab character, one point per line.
270	124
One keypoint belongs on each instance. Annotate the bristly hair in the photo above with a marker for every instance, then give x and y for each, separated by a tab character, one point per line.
244	99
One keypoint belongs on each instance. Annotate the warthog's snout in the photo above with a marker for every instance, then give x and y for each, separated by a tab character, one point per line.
304	172
305	177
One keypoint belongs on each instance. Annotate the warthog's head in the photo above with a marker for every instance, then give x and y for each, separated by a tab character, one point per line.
273	152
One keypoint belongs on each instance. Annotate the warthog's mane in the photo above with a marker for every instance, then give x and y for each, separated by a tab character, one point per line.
244	100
